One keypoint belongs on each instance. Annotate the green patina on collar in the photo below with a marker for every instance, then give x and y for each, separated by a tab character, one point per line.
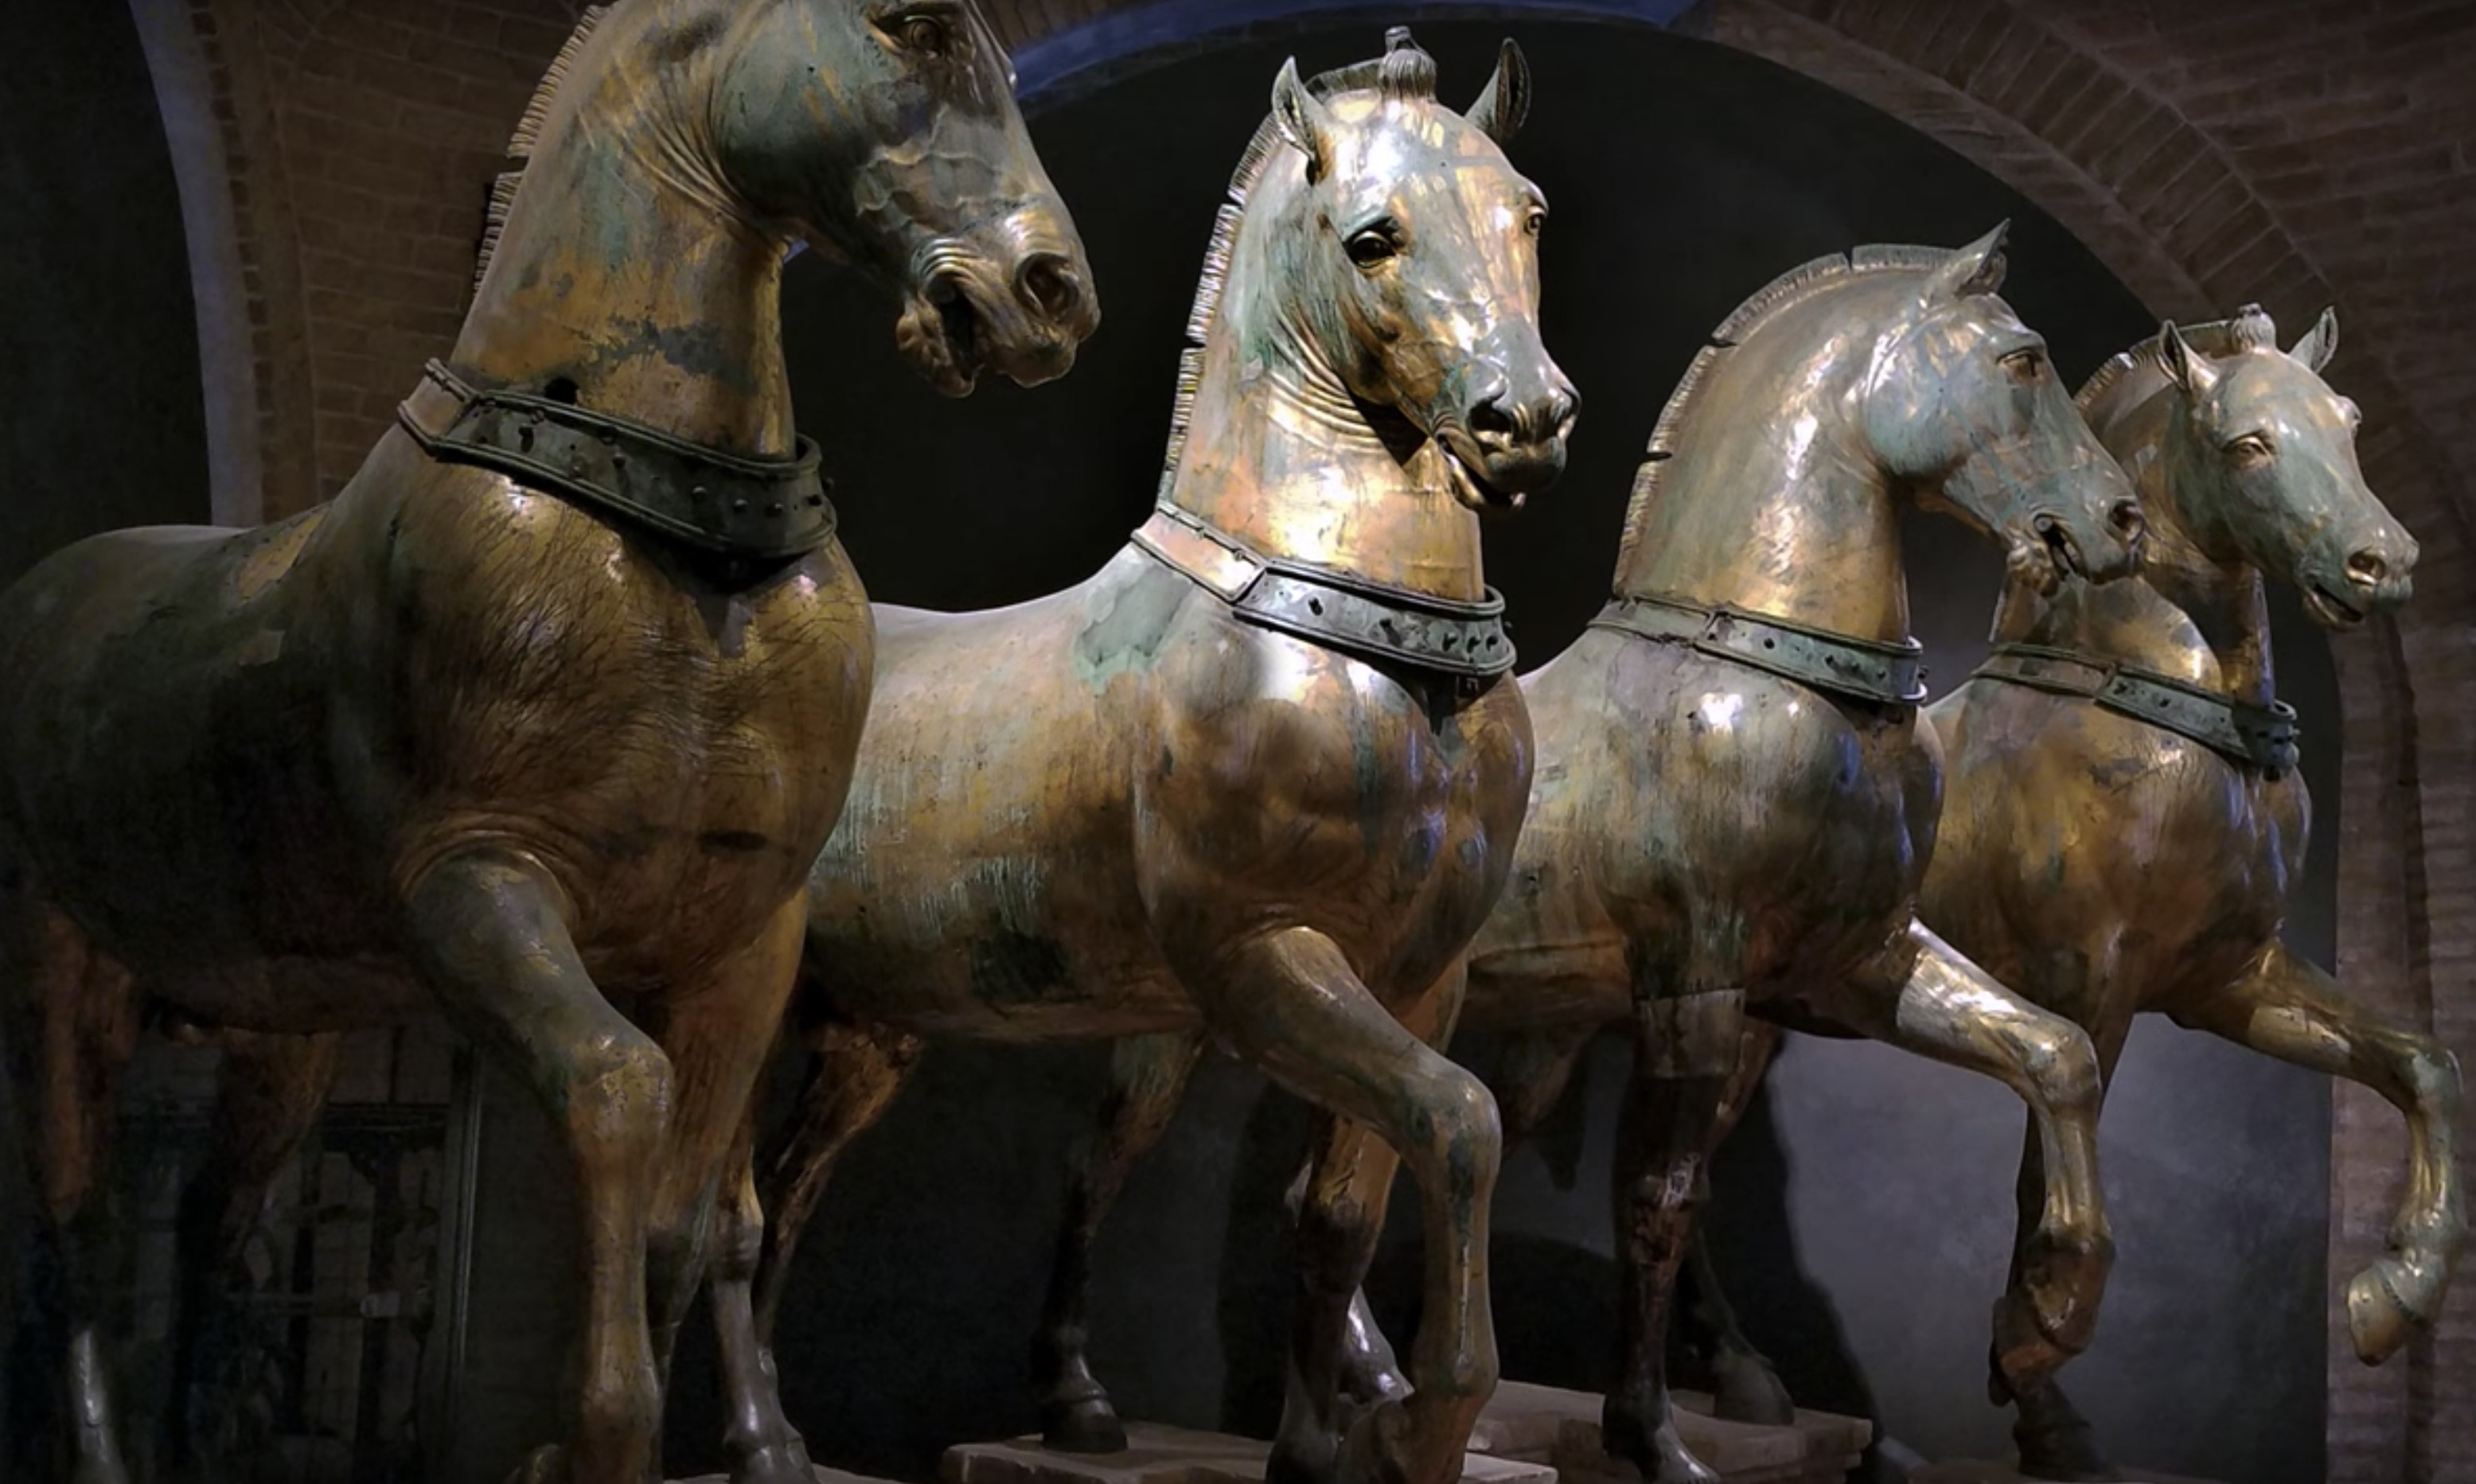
750	509
2262	736
1375	620
1884	674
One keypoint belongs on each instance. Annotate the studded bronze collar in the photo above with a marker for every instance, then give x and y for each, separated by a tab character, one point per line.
1375	620
750	509
1884	674
2267	737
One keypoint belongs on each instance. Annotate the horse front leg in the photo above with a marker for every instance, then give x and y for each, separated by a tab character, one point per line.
1746	1387
269	1091
719	1031
1148	1080
1686	1050
1920	995
851	1078
2288	1007
1289	1002
71	1024
489	934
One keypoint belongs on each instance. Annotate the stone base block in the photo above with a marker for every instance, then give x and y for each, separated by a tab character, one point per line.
1157	1454
1979	1470
1549	1424
825	1475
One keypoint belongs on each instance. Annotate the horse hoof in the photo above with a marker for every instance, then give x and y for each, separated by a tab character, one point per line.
1658	1452
1372	1382
1745	1389
2378	1318
1083	1425
2056	1442
779	1463
2064	1279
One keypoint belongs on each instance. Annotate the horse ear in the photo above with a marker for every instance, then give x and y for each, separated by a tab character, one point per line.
1504	105
1977	268
2191	369
1302	119
2321	342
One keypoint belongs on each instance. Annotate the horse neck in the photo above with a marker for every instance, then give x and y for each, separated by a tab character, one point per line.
628	267
1280	456
1784	510
2200	618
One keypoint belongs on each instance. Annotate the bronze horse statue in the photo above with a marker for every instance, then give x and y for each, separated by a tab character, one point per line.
1736	795
543	721
1261	776
2124	816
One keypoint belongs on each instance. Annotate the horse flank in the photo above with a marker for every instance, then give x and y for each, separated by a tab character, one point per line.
527	134
1793	287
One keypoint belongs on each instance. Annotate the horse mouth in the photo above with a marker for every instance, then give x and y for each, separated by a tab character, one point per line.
1471	488
940	334
2331	610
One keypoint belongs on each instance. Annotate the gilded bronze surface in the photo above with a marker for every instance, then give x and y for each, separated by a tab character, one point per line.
454	742
1706	835
1131	808
2106	866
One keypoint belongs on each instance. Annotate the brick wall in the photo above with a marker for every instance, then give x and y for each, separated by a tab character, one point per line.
2292	152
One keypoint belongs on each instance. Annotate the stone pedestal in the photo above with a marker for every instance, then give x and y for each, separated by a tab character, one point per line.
1156	1454
825	1475
1980	1471
1548	1424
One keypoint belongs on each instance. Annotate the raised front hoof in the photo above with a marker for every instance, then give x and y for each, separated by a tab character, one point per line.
785	1462
1083	1424
2381	1314
1372	1378
2062	1281
1745	1389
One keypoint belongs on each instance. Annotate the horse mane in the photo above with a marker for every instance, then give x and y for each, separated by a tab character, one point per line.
2128	380
1791	289
1404	71
527	134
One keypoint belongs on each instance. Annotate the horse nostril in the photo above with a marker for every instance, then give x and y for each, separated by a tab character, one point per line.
2124	515
1048	283
1490	422
2367	567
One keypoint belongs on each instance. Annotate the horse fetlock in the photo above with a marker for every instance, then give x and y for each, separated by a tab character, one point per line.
782	1461
1649	1442
1086	1423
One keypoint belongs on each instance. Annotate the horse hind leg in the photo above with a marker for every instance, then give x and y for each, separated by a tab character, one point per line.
71	1026
1148	1080
269	1094
852	1076
2289	1008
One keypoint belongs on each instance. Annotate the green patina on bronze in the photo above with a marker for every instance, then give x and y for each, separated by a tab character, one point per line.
1715	829
490	738
1133	805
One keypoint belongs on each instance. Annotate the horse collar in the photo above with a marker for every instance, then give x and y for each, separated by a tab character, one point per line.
749	508
1867	669
1375	620
2262	736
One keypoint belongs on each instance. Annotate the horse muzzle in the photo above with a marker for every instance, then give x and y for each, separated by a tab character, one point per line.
1014	296
2375	576
1506	449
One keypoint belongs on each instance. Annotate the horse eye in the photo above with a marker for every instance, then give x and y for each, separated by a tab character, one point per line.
2025	365
925	35
2250	449
1536	222
1373	246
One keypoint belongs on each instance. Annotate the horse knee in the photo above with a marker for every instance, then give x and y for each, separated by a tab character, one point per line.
2061	1064
2432	1076
616	1099
1464	1133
